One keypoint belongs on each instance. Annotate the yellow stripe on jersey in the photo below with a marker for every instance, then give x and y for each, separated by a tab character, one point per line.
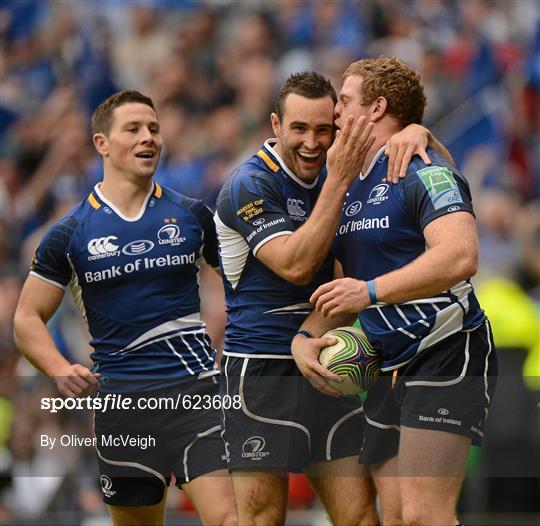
93	201
271	164
158	193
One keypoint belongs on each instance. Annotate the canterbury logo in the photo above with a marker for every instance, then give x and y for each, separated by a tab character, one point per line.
102	245
294	207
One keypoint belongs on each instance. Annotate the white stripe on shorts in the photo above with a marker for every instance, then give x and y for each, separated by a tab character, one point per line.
133	465
227	454
263	418
449	382
127	464
486	369
334	429
382	426
186	451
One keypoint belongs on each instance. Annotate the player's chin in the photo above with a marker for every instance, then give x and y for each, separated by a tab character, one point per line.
310	170
146	171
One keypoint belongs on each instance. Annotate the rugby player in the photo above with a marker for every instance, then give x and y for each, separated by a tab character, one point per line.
276	219
407	252
130	253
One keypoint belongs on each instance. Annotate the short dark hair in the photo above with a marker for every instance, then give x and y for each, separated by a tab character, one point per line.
309	84
391	78
103	116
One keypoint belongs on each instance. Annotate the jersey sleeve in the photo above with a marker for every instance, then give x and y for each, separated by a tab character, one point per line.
252	205
51	262
210	246
434	191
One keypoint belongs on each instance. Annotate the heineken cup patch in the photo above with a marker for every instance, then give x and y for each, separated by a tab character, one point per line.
441	186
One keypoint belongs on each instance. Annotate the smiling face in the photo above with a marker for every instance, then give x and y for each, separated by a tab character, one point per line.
133	145
304	134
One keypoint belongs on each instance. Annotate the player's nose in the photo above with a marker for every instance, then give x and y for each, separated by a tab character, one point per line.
146	135
310	141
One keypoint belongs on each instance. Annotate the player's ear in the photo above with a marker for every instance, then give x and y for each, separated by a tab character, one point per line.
378	109
101	143
276	125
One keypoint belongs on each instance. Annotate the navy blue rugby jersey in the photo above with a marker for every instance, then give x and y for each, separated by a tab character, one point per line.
381	230
263	199
135	281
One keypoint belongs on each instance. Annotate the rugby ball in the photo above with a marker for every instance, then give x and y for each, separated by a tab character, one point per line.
352	358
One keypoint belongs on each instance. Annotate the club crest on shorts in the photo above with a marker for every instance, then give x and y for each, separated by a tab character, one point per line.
106	486
253	448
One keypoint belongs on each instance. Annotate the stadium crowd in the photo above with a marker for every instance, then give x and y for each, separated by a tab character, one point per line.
212	68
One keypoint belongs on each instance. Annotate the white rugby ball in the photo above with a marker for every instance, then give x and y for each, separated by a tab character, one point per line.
352	358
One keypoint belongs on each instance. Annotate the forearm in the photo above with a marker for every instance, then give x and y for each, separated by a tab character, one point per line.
317	324
36	344
303	252
319	230
430	274
422	278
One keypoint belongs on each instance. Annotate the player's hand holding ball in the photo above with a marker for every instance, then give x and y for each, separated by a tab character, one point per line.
306	352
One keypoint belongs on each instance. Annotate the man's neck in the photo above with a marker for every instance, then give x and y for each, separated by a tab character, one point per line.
382	134
126	195
377	145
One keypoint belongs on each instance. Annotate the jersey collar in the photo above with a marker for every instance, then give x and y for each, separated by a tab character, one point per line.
96	198
363	175
276	161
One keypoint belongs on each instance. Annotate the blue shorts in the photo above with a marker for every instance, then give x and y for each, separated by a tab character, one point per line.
139	449
447	387
284	422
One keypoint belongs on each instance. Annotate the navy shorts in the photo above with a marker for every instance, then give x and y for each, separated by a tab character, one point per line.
284	423
447	387
139	449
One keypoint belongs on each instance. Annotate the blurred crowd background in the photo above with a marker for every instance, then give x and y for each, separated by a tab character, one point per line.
213	69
